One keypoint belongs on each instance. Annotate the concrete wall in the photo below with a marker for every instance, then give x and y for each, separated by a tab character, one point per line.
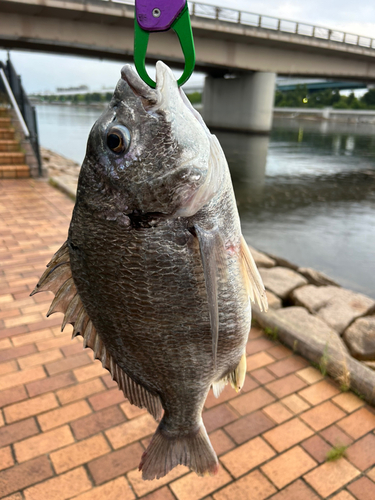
338	115
244	103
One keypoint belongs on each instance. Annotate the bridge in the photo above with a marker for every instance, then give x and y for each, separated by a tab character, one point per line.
251	46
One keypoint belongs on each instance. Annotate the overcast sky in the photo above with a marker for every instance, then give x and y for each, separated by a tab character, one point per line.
40	72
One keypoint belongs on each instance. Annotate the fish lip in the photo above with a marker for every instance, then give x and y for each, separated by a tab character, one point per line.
153	98
141	88
138	86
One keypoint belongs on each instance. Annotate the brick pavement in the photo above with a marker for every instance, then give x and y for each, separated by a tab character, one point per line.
67	432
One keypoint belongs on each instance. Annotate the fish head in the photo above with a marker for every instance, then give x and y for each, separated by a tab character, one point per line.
150	151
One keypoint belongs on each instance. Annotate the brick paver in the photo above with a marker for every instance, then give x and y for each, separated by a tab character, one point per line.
67	432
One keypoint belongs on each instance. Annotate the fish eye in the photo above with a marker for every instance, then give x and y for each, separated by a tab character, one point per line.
118	139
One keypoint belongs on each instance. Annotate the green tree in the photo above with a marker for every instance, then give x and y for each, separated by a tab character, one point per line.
195	97
96	97
369	98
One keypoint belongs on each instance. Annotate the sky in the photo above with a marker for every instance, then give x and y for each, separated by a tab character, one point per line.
40	72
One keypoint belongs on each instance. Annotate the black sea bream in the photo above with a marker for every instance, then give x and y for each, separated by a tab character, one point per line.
155	274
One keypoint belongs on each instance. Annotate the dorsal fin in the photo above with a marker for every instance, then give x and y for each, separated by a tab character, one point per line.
58	279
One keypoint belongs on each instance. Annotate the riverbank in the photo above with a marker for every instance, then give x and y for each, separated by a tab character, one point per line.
328	114
318	114
332	326
61	172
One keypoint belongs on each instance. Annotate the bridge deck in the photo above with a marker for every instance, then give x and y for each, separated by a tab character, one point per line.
225	39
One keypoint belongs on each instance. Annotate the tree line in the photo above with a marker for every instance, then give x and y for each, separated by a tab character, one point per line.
88	98
301	97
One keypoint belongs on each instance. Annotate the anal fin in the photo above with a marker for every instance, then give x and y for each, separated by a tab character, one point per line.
236	378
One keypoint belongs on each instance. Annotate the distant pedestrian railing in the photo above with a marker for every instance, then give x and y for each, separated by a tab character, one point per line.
244	18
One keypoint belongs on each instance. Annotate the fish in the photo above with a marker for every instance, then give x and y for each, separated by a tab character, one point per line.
155	274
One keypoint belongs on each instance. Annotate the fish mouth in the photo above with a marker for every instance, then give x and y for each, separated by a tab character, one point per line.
166	85
150	97
140	88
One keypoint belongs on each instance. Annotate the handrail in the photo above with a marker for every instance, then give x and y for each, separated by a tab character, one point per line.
246	18
23	108
14	103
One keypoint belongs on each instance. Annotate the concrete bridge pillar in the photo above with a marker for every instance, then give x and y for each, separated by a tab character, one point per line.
243	103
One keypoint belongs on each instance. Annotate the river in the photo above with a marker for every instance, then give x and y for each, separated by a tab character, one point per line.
306	192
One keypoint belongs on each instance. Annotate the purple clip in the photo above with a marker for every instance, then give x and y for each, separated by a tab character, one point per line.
158	15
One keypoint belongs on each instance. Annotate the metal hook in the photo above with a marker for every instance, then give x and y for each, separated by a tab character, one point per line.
180	24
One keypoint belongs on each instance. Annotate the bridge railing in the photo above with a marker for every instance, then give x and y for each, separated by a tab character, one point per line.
273	23
245	18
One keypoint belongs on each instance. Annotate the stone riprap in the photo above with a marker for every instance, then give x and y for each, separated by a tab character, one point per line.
329	325
62	172
336	306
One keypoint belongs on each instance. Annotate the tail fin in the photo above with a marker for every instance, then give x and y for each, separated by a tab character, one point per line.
166	452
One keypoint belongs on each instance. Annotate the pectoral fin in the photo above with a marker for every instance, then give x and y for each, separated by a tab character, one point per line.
254	283
212	254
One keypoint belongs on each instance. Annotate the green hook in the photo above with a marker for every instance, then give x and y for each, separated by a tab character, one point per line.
182	27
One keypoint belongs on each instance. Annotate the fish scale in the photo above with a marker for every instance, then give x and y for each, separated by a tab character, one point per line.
155	274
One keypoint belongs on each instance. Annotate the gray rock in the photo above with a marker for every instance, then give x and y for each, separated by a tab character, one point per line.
283	262
315	277
309	336
281	280
336	306
313	297
261	259
273	301
311	327
360	338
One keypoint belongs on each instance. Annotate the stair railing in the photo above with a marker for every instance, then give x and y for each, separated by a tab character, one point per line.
13	102
24	110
